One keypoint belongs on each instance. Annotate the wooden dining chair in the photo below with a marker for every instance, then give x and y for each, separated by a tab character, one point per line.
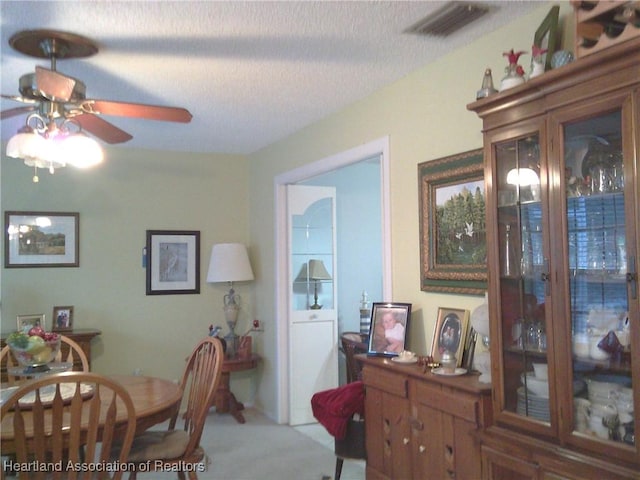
173	449
7	361
70	351
55	415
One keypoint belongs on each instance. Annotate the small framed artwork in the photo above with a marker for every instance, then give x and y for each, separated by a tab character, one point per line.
41	239
62	319
173	265
388	331
27	322
450	333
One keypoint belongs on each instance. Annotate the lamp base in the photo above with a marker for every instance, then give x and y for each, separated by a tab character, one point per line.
231	316
231	340
315	306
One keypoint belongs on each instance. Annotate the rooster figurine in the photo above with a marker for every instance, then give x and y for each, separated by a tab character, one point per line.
514	72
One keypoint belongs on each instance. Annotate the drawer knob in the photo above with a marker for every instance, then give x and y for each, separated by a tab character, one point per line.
422	449
405	440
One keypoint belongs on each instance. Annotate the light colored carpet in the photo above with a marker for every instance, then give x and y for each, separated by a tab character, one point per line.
263	450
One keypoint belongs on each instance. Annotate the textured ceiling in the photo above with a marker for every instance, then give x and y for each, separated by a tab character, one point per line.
251	73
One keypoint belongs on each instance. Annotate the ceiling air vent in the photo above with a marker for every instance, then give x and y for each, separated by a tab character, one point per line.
448	19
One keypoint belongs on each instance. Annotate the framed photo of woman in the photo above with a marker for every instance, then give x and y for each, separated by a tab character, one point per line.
388	332
450	332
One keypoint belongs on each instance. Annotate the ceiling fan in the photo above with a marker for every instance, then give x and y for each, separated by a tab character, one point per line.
58	108
54	95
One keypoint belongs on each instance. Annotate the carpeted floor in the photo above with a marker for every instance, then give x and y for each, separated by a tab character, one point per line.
263	450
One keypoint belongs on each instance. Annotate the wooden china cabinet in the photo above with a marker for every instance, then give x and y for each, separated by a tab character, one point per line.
562	156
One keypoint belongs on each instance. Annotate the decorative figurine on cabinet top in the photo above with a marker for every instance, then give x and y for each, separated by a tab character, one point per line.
487	86
514	72
537	61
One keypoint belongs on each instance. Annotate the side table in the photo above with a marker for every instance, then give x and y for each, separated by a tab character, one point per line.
225	401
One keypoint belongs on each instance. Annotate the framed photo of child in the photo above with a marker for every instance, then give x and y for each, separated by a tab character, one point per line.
389	324
62	319
450	333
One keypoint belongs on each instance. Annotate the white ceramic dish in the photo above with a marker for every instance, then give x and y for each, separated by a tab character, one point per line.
458	371
404	360
541	371
535	385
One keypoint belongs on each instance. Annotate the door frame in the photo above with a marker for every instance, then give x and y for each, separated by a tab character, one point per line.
362	152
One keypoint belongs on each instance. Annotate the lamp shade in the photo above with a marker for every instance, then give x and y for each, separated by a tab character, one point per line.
229	263
317	270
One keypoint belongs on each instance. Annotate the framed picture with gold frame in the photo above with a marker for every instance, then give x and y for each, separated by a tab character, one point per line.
453	243
27	322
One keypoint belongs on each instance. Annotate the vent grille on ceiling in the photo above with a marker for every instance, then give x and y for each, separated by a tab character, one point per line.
448	19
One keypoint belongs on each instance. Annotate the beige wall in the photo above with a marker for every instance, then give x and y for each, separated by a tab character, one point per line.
426	118
131	192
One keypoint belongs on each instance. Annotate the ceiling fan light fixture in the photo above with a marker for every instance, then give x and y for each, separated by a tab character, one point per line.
81	151
26	144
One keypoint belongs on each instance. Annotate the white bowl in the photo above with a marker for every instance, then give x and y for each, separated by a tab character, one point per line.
606	388
541	371
536	385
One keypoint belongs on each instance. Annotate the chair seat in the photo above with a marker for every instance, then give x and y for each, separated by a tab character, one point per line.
158	445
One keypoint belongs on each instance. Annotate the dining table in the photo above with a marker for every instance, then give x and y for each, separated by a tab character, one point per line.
155	400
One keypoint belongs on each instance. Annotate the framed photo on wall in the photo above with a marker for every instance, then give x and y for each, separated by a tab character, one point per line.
388	331
173	265
450	333
41	239
62	319
27	322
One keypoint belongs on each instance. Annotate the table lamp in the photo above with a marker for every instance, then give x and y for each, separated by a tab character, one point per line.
317	271
230	263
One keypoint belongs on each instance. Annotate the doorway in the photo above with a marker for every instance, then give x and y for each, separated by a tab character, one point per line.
314	174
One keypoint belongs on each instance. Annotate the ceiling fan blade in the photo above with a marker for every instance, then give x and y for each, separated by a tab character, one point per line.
137	110
53	85
12	112
101	128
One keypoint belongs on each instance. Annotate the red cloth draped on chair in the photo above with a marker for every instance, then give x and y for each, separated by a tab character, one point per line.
334	407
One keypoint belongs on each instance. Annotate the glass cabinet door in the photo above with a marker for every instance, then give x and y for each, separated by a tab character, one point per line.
312	248
597	266
522	270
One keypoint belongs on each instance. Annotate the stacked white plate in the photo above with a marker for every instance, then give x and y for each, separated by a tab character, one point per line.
532	405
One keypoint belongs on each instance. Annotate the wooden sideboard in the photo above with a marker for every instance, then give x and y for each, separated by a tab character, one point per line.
82	336
420	425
